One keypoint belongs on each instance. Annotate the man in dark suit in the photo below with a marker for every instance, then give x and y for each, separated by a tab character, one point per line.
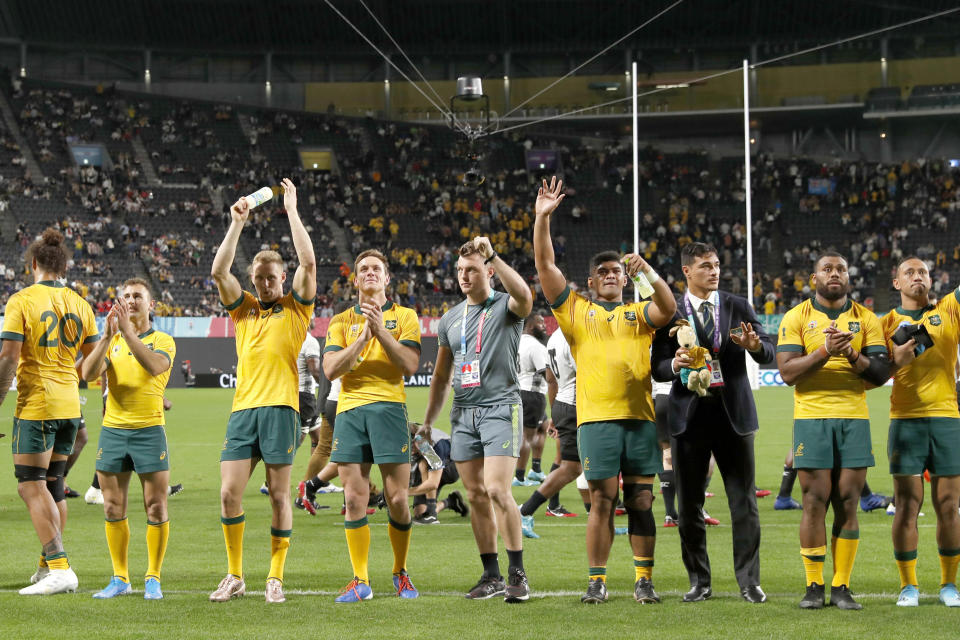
721	423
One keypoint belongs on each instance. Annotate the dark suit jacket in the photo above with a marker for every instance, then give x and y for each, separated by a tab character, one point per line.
737	398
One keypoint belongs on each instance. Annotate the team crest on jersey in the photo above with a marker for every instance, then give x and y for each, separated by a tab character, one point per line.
390	324
354	329
853	327
630	316
116	348
935	321
591	313
812	325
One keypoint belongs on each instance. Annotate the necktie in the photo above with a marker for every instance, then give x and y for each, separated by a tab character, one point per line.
706	318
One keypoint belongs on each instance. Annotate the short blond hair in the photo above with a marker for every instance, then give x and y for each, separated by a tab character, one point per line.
137	281
266	256
376	254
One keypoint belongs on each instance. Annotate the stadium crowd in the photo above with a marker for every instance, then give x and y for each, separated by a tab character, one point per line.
400	187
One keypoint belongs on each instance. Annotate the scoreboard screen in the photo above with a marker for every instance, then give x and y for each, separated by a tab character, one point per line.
317	159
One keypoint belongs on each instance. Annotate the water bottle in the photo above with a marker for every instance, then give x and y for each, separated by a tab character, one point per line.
642	284
433	460
260	196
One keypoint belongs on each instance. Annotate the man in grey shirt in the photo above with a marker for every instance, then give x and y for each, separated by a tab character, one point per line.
477	349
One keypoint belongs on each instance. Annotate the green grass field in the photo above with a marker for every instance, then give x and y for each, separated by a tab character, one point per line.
443	561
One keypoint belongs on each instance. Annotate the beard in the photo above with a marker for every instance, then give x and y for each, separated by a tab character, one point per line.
828	294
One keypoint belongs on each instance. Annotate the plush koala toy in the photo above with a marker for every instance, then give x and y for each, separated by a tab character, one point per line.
696	377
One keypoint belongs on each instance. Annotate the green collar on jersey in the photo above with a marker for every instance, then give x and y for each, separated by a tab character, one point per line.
267	305
386	307
609	306
56	284
914	314
833	314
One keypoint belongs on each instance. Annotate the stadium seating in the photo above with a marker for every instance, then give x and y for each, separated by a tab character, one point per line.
399	187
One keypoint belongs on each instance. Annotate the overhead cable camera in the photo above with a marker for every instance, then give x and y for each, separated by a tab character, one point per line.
470	115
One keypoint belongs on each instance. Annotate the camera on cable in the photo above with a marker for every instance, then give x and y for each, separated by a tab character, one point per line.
470	115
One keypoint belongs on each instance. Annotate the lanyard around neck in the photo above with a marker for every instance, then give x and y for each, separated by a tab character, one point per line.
463	324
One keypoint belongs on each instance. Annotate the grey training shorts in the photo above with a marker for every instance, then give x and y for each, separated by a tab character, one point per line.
484	432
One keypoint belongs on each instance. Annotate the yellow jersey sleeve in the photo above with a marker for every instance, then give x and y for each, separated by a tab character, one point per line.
889	325
571	310
645	314
409	328
239	307
302	309
164	344
13	320
874	341
336	335
90	333
790	333
949	305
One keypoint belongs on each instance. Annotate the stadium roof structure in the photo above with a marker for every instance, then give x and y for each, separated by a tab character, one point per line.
457	27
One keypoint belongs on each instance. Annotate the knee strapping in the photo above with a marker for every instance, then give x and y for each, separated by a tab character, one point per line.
26	473
639	521
633	496
56	489
57	469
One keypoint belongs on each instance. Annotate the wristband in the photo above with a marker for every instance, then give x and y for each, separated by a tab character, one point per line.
652	276
824	347
854	361
493	256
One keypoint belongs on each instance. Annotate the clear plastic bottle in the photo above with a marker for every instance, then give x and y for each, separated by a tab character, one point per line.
433	460
642	284
260	196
